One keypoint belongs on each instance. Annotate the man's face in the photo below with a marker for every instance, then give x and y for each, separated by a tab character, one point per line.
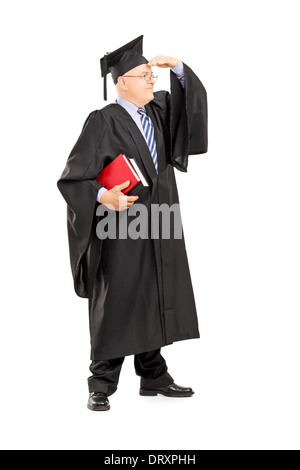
139	90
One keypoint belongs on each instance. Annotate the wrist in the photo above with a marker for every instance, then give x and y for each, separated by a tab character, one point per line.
101	192
103	197
176	62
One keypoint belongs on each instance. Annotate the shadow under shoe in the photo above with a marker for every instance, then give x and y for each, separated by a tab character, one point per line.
98	402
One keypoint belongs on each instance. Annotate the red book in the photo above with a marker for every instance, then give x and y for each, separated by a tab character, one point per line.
121	169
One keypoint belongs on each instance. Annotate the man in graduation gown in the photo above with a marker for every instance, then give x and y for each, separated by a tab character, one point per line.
139	290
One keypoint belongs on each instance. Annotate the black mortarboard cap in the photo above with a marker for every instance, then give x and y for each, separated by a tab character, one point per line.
122	60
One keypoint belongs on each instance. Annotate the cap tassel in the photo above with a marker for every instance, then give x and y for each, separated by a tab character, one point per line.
104	73
105	88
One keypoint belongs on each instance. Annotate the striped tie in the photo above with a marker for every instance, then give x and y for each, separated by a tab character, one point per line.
149	134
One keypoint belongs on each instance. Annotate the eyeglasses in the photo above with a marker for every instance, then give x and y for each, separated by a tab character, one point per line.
145	76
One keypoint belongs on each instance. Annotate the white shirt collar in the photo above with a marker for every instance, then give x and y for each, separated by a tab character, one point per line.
130	107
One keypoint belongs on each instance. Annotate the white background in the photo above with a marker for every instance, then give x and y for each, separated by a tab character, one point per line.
240	210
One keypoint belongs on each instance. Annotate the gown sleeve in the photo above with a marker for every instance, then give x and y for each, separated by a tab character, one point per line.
186	113
79	188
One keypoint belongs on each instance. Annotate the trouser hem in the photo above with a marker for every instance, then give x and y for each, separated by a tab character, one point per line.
158	382
95	387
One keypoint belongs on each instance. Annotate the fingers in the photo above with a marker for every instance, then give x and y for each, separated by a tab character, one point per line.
129	204
122	186
131	200
124	202
154	60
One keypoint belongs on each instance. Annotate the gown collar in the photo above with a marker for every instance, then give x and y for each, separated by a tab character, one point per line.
130	107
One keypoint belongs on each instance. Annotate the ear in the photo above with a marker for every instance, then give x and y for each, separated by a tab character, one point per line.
122	82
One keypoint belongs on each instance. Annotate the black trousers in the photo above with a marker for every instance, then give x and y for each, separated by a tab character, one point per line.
150	366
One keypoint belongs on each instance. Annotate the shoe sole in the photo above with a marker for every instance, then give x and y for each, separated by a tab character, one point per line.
153	393
103	408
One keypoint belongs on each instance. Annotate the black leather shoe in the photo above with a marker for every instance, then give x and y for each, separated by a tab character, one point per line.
98	402
172	390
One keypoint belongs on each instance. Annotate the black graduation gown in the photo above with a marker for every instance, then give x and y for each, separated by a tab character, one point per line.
140	291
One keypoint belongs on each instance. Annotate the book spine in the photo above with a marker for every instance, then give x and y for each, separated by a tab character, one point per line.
134	173
135	165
